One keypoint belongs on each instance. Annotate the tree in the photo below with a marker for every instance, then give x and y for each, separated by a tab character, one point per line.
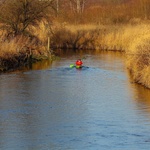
17	15
77	5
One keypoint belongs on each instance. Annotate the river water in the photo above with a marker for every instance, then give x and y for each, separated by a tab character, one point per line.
50	106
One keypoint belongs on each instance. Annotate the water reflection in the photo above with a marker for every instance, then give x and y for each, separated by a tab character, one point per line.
39	65
142	98
44	65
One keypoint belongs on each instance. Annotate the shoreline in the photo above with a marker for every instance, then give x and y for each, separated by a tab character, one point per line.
17	61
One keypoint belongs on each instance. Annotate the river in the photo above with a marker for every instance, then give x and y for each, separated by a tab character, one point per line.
50	106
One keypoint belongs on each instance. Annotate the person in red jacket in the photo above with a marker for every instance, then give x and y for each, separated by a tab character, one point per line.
79	63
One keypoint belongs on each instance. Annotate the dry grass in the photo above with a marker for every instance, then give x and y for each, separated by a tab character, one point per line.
42	31
138	57
135	41
74	37
120	37
36	40
84	27
17	51
108	37
12	47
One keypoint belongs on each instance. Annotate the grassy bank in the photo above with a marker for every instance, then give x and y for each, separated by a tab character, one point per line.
90	36
23	31
22	50
134	40
138	56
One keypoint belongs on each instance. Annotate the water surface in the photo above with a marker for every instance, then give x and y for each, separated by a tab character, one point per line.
52	107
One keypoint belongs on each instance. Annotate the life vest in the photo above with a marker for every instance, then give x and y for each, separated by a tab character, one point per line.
79	63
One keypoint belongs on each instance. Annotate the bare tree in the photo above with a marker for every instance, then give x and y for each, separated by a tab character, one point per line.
17	15
57	6
78	6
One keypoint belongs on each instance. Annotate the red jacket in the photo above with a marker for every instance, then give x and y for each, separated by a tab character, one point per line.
79	63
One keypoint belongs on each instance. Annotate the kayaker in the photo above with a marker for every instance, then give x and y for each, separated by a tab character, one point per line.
79	63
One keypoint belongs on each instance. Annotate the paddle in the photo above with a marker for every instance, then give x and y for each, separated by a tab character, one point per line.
72	66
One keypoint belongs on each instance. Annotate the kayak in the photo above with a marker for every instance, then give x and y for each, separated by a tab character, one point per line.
75	66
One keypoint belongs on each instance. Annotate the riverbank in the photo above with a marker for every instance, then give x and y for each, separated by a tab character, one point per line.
18	52
138	56
114	37
23	50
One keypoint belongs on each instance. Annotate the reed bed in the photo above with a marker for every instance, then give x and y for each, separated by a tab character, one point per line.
134	40
138	56
102	37
74	36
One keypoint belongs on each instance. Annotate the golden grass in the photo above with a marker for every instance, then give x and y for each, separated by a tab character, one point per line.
84	27
42	31
138	57
112	37
135	41
13	46
120	37
108	37
74	36
17	51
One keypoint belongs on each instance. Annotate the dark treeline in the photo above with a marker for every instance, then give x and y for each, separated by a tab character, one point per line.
102	11
17	15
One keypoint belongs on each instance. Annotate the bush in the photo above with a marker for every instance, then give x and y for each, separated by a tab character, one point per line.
77	39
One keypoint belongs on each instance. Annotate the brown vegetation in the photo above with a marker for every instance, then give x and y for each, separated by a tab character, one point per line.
138	57
74	37
19	51
24	32
104	11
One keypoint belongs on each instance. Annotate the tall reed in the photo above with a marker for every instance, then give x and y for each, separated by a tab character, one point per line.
138	57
